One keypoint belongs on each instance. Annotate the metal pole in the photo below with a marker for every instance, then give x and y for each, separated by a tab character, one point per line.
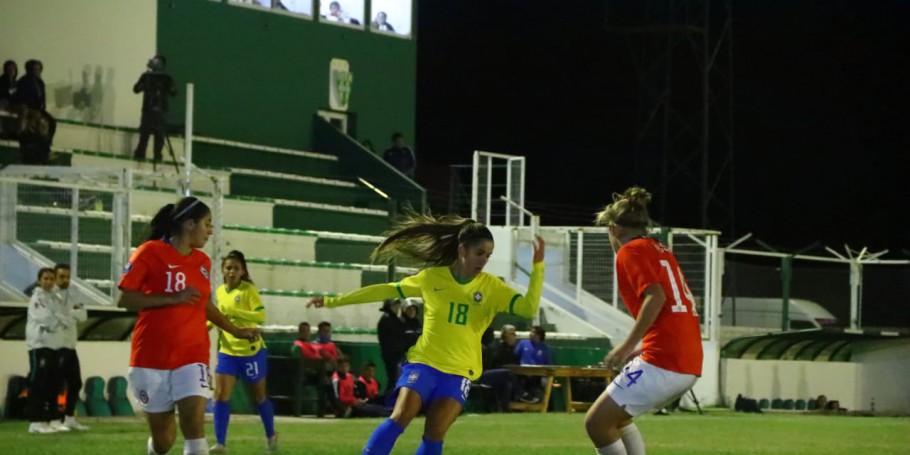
188	140
579	266
74	233
856	294
786	274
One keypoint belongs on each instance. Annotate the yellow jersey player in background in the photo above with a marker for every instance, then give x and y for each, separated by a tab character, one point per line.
460	301
239	300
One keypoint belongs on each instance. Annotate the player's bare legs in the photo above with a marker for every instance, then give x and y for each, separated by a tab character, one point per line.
604	420
406	407
163	426
192	421
224	386
440	417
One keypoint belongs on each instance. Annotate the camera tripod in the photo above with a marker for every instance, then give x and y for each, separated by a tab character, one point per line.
170	150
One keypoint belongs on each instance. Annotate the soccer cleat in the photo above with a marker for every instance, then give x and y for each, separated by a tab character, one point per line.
218	448
58	426
73	425
40	428
272	443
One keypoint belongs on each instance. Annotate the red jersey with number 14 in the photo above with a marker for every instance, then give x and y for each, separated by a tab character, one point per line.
170	336
673	342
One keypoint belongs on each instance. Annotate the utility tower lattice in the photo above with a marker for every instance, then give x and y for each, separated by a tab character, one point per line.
682	53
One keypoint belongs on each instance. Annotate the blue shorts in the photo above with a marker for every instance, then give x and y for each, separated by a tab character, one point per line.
252	368
431	384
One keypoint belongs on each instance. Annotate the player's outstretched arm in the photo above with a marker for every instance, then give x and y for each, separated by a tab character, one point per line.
528	305
367	294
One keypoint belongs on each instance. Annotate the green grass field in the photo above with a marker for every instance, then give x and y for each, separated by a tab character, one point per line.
715	432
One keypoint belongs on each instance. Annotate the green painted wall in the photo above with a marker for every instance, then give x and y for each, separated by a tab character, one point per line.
260	76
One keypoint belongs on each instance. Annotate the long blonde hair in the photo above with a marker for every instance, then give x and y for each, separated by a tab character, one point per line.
629	209
428	240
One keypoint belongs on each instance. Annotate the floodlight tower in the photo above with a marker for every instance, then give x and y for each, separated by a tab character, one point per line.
682	53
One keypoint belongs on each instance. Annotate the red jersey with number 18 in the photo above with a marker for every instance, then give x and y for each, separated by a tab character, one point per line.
673	342
170	336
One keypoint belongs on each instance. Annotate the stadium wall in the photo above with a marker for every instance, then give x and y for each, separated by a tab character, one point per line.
92	53
260	76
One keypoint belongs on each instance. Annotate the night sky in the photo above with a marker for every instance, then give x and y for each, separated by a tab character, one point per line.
820	94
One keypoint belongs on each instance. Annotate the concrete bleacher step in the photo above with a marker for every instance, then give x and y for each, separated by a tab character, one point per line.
324	217
220	153
39	223
299	244
283	185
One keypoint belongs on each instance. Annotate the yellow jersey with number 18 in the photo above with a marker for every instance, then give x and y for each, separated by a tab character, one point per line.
455	314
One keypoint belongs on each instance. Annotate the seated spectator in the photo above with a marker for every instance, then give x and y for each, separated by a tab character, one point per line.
343	389
533	351
8	84
308	349
413	323
30	93
324	342
495	357
34	137
367	386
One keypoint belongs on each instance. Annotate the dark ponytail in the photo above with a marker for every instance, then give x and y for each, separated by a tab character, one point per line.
169	219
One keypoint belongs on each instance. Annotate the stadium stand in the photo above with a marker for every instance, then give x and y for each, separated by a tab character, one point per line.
117	396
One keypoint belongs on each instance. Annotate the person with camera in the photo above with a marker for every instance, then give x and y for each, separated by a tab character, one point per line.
156	85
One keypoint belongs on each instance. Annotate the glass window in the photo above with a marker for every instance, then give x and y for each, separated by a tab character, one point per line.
342	12
259	3
391	16
294	6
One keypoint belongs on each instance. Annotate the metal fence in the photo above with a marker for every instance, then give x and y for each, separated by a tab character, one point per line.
91	219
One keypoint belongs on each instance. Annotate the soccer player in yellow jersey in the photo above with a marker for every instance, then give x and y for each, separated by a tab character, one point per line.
460	301
239	300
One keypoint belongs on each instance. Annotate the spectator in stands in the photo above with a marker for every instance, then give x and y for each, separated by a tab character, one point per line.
460	301
8	84
308	349
155	85
343	388
366	390
533	351
339	15
379	23
30	93
238	299
325	343
167	280
495	357
70	376
400	156
413	323
655	292
390	331
34	137
44	336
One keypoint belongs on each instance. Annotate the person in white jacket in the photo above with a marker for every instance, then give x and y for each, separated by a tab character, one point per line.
70	372
44	336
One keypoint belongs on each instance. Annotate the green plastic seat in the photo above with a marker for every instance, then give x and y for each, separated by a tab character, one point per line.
764	403
118	399
789	404
777	403
95	404
800	405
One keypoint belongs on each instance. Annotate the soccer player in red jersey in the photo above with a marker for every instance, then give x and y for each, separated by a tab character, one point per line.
168	281
654	290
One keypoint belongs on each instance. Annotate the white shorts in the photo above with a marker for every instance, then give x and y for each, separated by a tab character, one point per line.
159	390
641	387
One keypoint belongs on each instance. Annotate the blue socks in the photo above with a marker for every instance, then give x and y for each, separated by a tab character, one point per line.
222	416
267	414
429	448
383	438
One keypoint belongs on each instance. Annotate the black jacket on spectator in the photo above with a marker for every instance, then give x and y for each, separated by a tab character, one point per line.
30	92
499	354
413	328
391	335
7	83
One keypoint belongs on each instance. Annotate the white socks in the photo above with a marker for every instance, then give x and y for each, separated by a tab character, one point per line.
631	438
617	448
195	447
